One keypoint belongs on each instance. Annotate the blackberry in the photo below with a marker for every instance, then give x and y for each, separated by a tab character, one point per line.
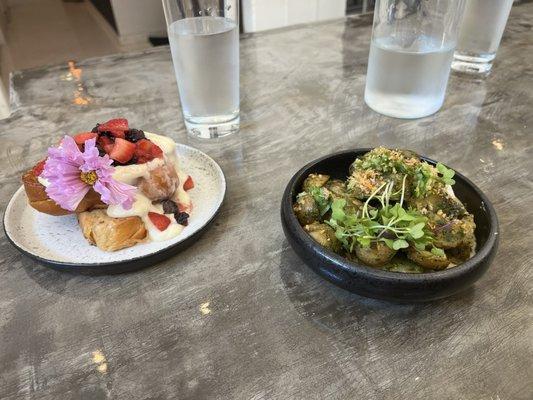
95	129
182	218
107	134
134	135
170	207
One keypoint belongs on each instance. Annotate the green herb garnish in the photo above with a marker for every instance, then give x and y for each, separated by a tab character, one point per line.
321	199
393	225
446	174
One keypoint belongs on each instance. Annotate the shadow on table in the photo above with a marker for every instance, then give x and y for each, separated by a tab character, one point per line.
335	309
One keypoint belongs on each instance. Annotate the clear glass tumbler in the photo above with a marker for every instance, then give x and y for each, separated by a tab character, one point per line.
480	35
410	55
204	41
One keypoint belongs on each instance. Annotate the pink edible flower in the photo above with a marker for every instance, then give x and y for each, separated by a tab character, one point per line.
71	174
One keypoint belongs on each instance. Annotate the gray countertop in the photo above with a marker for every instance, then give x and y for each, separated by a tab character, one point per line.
237	315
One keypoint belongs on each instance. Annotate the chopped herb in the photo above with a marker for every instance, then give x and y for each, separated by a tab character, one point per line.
321	198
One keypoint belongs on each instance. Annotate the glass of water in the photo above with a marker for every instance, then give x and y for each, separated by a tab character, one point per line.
410	55
480	35
204	41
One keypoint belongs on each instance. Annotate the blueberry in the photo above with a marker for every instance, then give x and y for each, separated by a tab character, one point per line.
170	207
134	135
182	218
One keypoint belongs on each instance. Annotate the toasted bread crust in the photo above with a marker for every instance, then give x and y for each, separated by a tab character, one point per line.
40	201
111	234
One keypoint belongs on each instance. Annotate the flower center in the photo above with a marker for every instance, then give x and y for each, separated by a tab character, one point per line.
89	177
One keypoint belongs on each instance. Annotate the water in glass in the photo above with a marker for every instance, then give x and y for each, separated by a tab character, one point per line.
480	34
205	52
410	81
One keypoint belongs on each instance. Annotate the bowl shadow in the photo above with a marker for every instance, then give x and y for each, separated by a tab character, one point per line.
335	309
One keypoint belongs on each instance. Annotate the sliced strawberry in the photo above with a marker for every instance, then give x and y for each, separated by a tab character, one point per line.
147	151
122	150
82	137
117	127
39	167
160	221
156	151
118	134
105	143
189	183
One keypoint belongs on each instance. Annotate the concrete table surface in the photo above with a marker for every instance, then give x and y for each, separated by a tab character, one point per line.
237	315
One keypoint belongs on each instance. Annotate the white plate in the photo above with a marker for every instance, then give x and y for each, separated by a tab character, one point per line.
58	242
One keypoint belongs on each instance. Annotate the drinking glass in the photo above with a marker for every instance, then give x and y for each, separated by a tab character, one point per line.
204	41
480	34
410	55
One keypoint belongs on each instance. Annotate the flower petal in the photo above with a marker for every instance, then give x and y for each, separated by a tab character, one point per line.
62	170
91	157
68	199
57	169
70	151
64	165
114	192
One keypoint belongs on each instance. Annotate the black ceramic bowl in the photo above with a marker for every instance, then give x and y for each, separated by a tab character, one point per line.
395	286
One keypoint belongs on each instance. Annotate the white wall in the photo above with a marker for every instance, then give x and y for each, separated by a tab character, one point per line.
259	15
137	19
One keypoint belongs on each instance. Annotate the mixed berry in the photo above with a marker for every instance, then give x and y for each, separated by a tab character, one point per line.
162	222
124	145
170	207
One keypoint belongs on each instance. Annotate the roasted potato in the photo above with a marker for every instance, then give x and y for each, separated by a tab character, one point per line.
314	180
324	235
449	206
306	209
427	259
378	167
337	188
375	255
450	234
461	253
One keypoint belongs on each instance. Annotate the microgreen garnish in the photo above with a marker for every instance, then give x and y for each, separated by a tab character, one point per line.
438	252
446	174
393	225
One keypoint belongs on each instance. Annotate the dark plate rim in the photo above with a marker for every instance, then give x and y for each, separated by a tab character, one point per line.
352	267
130	263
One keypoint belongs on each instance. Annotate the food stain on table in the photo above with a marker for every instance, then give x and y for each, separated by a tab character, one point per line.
498	144
100	360
204	308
